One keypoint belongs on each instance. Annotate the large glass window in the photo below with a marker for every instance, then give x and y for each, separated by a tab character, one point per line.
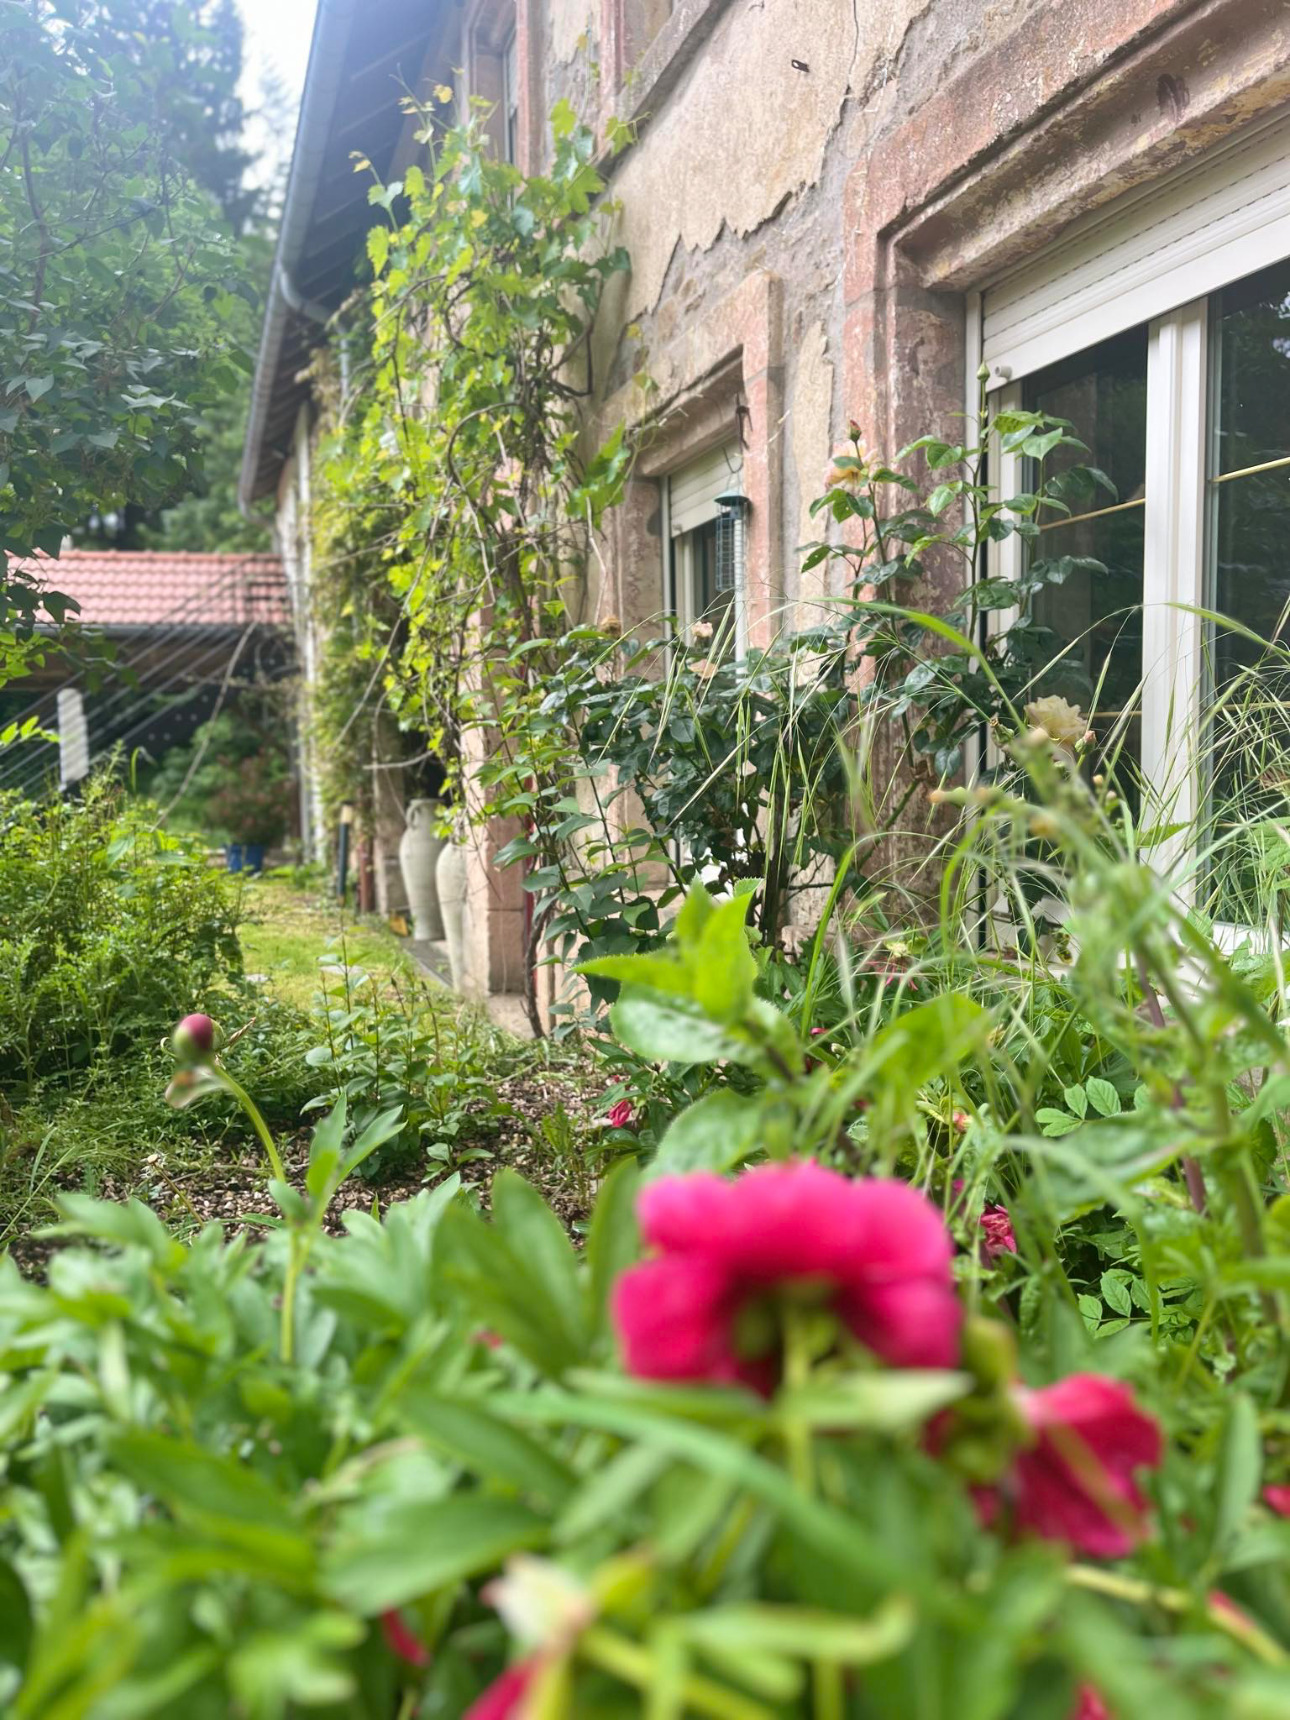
1089	647
1250	461
1161	331
1249	581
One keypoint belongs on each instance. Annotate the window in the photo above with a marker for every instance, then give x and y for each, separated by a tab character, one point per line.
1161	330
1092	622
705	544
510	101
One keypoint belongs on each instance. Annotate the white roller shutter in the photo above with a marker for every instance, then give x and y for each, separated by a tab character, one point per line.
692	491
1150	251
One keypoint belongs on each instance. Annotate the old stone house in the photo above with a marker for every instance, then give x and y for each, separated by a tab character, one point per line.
840	211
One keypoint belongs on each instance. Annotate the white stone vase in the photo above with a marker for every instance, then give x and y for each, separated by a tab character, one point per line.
419	850
451	875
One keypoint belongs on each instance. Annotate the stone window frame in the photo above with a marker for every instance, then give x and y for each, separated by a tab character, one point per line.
638	71
988	173
724	378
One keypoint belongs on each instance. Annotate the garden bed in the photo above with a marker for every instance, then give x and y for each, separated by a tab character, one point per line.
534	1106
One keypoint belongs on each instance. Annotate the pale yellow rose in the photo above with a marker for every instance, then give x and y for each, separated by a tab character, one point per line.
1063	723
541	1604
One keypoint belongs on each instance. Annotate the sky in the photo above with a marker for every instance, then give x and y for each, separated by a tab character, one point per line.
277	41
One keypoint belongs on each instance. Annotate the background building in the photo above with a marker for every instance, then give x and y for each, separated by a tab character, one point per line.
841	213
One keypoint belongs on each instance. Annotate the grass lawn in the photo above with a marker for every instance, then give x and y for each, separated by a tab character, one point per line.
286	928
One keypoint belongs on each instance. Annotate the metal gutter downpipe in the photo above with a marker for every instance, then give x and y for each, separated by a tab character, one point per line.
323	79
312	823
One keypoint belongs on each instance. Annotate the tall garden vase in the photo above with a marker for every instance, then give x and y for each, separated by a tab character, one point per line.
419	850
452	903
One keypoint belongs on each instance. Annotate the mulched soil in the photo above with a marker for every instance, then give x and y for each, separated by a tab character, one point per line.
232	1191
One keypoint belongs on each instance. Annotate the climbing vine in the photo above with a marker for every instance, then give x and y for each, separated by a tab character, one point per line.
458	464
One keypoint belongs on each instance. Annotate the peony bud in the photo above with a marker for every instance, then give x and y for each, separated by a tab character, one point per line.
197	1038
989	1351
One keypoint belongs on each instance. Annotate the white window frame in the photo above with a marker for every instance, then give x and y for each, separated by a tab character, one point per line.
1239	239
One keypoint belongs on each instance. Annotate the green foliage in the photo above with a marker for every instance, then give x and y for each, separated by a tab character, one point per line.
739	769
118	281
107	925
761	771
942	675
225	1466
394	1049
232	781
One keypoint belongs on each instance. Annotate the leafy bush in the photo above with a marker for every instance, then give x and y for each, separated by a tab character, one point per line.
104	922
232	782
380	1051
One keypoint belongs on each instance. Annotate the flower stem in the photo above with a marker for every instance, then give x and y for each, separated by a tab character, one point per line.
291	1278
797	1373
1223	1617
826	1675
635	1665
248	1104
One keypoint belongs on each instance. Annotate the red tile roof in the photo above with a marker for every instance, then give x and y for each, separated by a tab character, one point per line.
142	588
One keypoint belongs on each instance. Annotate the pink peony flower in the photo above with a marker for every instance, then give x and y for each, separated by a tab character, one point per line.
1076	1482
620	1115
876	1252
1090	1705
999	1237
401	1641
1277	1498
504	1698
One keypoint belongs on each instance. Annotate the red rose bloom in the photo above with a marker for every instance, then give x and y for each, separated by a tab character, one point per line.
1076	1482
875	1252
999	1236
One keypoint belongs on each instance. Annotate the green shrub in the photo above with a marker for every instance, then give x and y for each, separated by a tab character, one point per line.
232	781
107	926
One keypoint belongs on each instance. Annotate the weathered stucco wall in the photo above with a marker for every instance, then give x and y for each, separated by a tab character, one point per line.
743	132
872	161
814	188
751	115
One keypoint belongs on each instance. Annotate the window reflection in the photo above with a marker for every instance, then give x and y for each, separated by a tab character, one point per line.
1090	644
1249	580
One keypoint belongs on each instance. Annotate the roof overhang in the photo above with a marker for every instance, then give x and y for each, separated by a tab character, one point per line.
365	56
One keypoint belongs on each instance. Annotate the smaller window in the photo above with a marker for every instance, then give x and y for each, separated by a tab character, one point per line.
706	574
511	100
